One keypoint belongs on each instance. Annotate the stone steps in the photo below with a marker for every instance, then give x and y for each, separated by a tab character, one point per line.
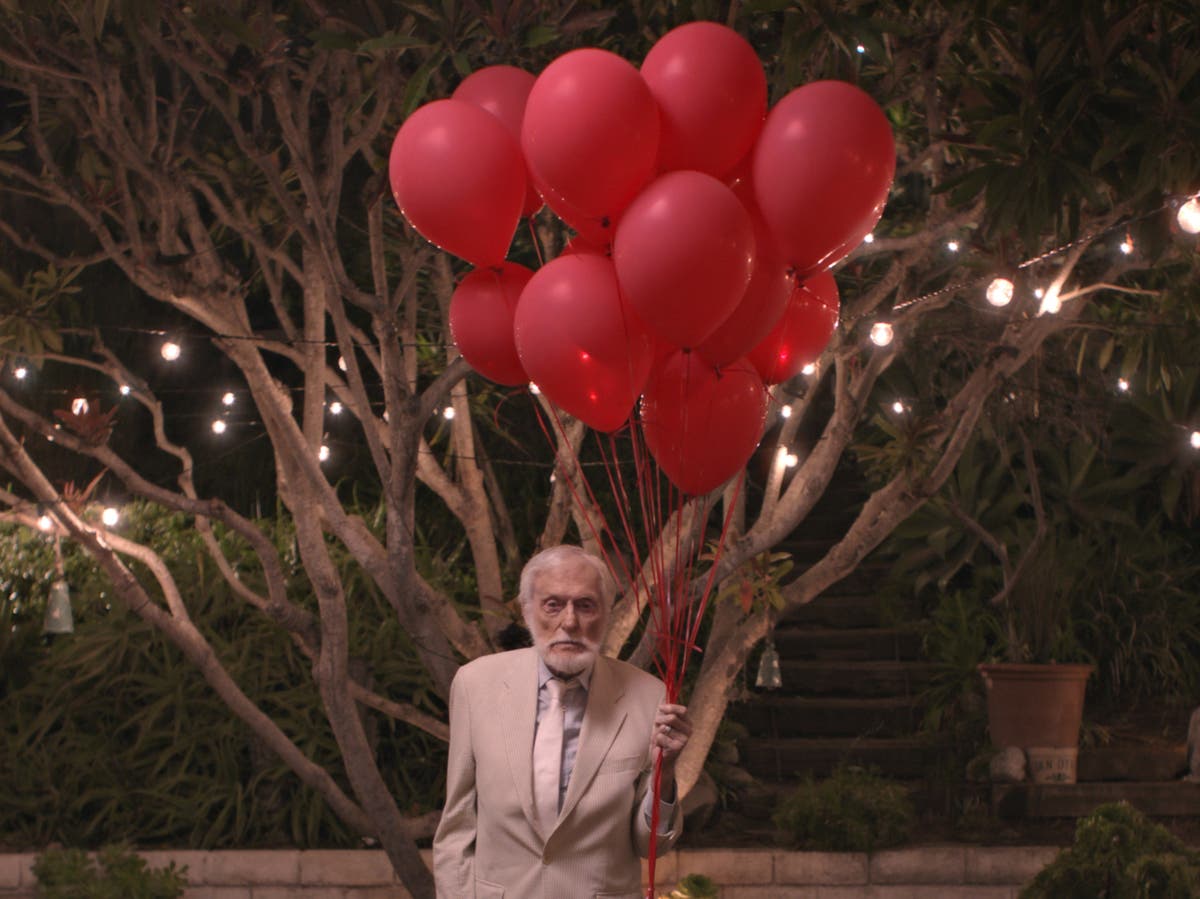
859	643
865	678
794	758
1161	799
829	716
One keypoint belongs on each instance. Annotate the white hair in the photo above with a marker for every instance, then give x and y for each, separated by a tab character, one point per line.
559	555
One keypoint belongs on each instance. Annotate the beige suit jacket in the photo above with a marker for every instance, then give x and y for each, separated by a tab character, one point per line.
488	844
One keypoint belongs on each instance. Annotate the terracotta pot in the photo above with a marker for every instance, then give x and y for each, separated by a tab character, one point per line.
1035	705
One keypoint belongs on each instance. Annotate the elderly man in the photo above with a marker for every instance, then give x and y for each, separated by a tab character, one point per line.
548	785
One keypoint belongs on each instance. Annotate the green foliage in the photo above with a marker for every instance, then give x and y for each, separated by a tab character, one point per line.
1119	854
112	734
695	886
853	810
119	874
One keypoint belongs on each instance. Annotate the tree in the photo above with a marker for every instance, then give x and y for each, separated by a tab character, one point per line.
230	168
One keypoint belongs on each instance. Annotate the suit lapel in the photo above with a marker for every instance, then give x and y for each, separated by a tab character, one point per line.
602	720
520	695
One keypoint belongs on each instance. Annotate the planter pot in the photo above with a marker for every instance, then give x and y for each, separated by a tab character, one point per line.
1037	707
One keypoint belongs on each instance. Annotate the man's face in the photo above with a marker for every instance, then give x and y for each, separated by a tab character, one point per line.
567	616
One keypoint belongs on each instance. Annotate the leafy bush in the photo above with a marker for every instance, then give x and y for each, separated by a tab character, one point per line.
71	874
695	886
111	734
1119	854
854	810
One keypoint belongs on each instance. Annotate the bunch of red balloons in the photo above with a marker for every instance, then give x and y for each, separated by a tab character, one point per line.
705	225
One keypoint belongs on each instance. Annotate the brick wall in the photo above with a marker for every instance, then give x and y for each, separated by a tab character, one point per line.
927	872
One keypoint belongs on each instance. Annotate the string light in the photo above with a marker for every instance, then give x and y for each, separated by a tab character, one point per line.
1127	245
448	413
870	238
79	406
1038	292
20	372
952	246
219	426
1195	439
228	399
45	522
898	407
170	350
1000	292
125	389
1122	385
110	516
335	408
785	412
342	363
534	389
323	453
881	333
860	49
1189	216
809	370
1051	304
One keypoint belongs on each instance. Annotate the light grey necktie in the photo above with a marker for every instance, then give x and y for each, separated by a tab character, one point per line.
547	754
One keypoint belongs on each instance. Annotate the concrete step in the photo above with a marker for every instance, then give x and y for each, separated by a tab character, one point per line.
827	716
1161	799
791	758
855	678
848	643
836	611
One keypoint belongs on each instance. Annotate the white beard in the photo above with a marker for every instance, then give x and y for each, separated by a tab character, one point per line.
566	661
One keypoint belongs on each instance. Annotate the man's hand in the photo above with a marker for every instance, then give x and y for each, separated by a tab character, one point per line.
672	728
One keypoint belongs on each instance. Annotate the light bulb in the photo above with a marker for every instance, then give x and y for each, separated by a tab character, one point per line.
335	408
791	460
79	406
870	238
534	389
45	522
860	49
1051	305
323	453
448	413
810	369
110	516
898	407
342	363
1195	439
1122	385
553	477
952	246
20	372
1000	292
219	426
171	350
1127	246
785	412
228	399
125	389
1189	216
881	333
1038	292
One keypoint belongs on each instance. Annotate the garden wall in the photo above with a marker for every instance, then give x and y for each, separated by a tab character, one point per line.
927	872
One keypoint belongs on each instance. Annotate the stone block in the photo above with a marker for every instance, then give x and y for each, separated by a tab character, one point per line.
830	868
923	864
193	860
10	872
1014	865
362	867
770	892
746	867
392	892
298	892
210	892
251	867
915	891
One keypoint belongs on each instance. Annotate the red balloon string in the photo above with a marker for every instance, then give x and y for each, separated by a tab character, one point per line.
662	567
537	244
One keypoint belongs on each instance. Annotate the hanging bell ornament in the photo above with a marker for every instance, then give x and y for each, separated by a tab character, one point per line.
59	618
769	677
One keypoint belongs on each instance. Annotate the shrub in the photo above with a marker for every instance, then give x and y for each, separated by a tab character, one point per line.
695	886
854	810
1119	854
72	874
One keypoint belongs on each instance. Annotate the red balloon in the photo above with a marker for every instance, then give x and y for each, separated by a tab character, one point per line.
502	91
481	321
580	342
712	92
684	253
801	334
458	177
766	296
590	135
822	168
702	423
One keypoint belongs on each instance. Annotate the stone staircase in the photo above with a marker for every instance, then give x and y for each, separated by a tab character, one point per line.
850	694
